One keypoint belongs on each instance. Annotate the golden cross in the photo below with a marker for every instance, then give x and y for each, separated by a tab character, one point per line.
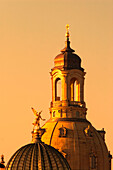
67	27
67	32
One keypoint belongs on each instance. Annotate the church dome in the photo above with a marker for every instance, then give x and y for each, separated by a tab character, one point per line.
82	145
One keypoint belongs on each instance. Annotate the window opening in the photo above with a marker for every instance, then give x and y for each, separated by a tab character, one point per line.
75	90
54	114
58	90
93	161
62	132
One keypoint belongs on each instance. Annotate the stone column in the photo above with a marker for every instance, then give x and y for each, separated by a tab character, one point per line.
64	90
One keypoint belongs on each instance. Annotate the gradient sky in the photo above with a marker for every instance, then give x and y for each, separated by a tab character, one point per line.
32	33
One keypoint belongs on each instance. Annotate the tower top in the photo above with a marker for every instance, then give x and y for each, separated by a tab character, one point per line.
67	84
67	59
67	42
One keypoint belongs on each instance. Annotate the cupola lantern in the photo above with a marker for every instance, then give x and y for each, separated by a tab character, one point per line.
67	84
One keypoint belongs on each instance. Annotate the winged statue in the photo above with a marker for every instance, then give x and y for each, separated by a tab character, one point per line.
38	117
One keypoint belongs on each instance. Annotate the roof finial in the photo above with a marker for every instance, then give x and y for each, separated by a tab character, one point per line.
37	131
36	122
67	42
67	32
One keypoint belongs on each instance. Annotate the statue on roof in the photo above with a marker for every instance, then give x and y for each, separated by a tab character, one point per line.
36	122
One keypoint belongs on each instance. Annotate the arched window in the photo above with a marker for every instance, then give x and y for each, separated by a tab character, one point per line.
75	90
58	89
93	161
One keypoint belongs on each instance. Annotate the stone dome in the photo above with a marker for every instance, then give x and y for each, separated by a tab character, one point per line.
82	145
37	156
67	59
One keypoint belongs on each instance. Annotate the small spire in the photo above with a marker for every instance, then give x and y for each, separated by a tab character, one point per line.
2	159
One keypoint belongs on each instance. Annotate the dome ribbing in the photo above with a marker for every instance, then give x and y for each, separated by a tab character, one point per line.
37	156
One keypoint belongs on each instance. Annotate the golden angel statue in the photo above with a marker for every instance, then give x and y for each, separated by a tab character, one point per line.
36	122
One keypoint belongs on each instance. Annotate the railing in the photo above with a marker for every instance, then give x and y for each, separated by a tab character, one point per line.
70	103
74	103
56	103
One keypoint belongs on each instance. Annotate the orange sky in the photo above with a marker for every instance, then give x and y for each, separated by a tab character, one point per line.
32	33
